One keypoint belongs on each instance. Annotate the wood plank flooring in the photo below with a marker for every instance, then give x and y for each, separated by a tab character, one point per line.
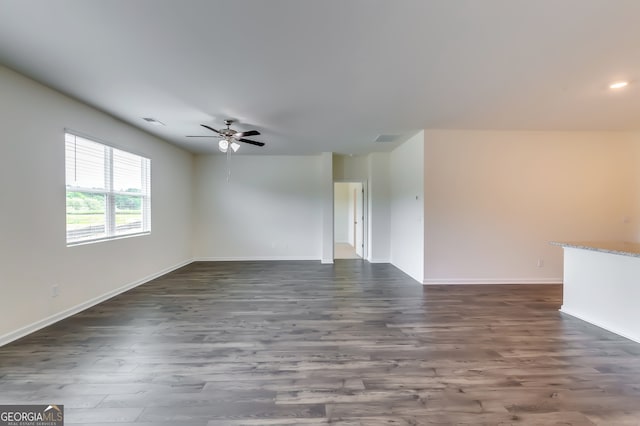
300	343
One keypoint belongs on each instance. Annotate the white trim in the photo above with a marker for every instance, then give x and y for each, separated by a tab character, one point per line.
464	281
117	237
597	324
378	260
28	329
253	259
326	261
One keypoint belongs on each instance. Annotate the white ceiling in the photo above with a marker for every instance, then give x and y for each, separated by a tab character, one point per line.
332	75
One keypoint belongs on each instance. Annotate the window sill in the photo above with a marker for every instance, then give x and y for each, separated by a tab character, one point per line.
100	240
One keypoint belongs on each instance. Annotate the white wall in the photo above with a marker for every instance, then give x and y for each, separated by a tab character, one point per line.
379	207
271	208
326	207
33	247
494	200
350	168
341	212
407	206
635	219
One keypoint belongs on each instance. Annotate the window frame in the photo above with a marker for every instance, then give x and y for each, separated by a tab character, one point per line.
110	231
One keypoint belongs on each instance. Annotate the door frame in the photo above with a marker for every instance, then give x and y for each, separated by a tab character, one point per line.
365	214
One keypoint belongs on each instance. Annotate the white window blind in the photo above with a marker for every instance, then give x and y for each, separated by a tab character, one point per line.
108	191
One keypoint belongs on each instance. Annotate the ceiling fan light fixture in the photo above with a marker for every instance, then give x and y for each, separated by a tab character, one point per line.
229	137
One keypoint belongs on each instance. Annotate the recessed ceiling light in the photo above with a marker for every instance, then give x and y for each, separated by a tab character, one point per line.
153	121
618	85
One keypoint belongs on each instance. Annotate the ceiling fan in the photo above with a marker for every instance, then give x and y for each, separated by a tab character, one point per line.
229	137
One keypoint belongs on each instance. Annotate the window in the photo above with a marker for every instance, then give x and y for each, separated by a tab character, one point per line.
108	191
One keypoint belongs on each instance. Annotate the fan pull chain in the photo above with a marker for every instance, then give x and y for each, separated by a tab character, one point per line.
228	164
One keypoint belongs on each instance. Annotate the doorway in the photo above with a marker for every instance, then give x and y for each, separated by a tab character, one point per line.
348	220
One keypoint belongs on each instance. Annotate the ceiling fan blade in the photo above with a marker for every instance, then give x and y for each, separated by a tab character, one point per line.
251	142
247	133
210	128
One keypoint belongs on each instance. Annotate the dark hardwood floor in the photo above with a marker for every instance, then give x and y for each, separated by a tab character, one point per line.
285	343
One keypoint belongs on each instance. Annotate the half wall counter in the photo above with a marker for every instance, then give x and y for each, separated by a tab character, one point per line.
602	285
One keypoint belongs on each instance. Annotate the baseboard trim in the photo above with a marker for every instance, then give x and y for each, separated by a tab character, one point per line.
597	324
466	281
38	325
378	260
253	259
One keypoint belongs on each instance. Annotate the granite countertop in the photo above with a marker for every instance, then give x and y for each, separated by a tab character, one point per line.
614	247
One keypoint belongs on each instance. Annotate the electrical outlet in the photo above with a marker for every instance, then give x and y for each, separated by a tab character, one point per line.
55	291
540	263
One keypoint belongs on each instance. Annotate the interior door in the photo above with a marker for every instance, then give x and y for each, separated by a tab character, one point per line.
358	198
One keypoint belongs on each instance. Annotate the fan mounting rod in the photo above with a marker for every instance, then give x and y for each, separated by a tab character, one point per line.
228	133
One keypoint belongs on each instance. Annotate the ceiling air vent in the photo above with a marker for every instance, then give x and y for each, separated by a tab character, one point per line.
387	138
153	121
